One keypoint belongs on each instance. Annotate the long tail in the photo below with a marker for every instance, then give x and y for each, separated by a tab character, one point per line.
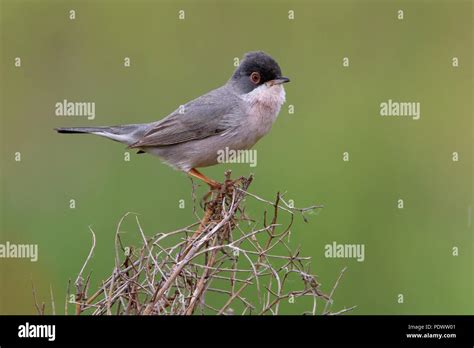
127	134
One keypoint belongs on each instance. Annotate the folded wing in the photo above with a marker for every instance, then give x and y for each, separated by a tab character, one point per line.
208	115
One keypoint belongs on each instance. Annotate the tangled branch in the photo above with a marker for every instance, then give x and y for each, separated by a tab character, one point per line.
225	263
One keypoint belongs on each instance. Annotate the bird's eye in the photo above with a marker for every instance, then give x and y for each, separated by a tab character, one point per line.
255	77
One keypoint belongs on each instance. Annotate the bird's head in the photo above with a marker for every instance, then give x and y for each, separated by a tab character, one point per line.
257	69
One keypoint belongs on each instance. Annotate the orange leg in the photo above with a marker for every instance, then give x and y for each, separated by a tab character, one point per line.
212	183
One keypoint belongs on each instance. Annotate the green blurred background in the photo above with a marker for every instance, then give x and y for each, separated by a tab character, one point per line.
407	251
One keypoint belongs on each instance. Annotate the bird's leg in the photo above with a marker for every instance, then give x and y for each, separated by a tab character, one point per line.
212	183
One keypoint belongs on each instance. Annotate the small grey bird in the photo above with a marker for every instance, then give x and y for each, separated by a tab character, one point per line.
234	116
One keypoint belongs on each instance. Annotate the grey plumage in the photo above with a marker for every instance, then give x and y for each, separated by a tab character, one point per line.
235	116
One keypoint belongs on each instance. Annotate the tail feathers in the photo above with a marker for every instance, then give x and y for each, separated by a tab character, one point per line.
82	130
127	134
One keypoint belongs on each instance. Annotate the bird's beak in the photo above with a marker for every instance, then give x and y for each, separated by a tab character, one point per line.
280	80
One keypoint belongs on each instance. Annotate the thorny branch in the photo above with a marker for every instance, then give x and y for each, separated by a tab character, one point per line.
225	263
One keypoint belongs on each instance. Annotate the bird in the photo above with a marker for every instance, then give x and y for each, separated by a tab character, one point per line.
234	116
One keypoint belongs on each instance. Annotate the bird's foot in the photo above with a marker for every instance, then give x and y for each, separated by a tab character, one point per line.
214	185
217	188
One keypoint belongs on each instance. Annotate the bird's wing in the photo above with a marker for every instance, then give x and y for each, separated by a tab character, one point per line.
210	114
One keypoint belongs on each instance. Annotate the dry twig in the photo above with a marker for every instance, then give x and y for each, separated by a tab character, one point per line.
222	264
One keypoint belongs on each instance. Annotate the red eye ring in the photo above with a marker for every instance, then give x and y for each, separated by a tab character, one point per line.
255	77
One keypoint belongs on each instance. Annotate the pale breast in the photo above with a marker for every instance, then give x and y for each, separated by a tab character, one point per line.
264	104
